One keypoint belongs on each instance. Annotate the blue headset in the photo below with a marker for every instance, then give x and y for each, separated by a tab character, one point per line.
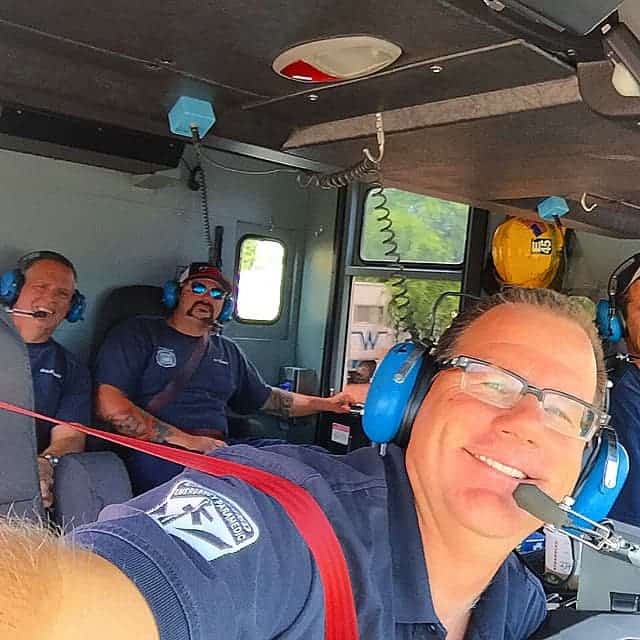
609	320
171	296
399	386
11	282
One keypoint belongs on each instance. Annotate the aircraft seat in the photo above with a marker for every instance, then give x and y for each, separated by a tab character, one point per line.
85	483
19	483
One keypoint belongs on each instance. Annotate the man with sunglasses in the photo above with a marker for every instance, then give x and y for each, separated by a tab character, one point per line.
427	533
171	381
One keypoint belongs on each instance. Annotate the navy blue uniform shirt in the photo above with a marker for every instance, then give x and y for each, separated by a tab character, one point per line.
61	387
216	558
625	419
142	355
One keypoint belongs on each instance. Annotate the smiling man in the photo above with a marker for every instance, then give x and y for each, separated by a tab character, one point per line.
171	381
44	284
427	534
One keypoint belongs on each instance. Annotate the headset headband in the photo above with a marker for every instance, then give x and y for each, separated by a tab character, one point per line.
29	259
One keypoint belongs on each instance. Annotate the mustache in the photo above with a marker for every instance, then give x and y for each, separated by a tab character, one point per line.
200	303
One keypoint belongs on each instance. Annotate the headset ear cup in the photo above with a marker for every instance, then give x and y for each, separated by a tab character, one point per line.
389	394
610	325
77	307
170	294
227	309
602	477
10	284
427	373
616	329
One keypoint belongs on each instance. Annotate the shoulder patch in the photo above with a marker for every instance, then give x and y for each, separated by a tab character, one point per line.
209	522
166	357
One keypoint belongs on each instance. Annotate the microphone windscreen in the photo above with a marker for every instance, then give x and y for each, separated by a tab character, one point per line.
536	502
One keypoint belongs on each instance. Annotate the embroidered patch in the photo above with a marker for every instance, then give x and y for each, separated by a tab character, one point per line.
166	357
210	523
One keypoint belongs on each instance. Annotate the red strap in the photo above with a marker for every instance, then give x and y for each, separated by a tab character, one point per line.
301	507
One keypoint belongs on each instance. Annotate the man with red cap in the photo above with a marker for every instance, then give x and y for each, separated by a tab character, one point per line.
172	380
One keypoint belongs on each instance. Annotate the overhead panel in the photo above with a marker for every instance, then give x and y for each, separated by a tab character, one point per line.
235	41
489	69
78	80
553	151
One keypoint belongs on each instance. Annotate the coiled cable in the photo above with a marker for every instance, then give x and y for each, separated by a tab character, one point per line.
369	170
199	178
400	299
363	171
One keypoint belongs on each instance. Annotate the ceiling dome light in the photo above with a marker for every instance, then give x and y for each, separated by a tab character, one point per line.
336	59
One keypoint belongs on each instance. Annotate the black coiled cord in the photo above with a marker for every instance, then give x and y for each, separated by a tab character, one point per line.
199	178
399	289
363	171
368	170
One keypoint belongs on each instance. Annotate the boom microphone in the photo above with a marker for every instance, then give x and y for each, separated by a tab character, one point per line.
560	517
536	502
24	313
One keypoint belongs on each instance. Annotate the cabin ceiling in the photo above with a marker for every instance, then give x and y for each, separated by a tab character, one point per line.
502	124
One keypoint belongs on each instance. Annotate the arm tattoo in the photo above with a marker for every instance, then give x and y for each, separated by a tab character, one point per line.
127	424
161	430
279	403
136	426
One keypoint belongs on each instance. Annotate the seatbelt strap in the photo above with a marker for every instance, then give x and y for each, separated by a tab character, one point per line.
299	504
175	386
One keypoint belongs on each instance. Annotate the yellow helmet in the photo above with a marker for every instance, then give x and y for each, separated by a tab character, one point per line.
527	253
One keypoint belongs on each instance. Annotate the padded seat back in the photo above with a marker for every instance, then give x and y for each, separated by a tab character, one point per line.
123	303
19	483
85	483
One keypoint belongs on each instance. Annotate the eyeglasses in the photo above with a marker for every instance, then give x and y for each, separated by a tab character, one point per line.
200	289
501	388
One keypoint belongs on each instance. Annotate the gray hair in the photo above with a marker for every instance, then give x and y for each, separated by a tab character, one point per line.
552	301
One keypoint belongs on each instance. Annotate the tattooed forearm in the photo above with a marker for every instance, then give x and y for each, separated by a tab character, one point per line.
128	425
161	430
140	425
279	403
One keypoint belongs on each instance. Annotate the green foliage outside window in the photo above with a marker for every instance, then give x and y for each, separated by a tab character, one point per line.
422	295
428	230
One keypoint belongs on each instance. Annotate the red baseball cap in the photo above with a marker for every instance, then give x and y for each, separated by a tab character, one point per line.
204	270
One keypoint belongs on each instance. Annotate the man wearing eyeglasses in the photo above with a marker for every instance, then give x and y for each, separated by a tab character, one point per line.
427	533
171	381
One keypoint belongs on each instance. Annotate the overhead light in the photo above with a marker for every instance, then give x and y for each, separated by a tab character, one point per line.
335	59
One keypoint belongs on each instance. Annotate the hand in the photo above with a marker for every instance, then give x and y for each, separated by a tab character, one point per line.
45	471
340	402
203	444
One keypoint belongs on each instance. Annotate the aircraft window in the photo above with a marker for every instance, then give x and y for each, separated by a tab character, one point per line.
372	322
428	230
261	270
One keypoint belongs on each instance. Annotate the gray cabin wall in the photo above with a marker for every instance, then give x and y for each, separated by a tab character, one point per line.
594	259
319	264
118	234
